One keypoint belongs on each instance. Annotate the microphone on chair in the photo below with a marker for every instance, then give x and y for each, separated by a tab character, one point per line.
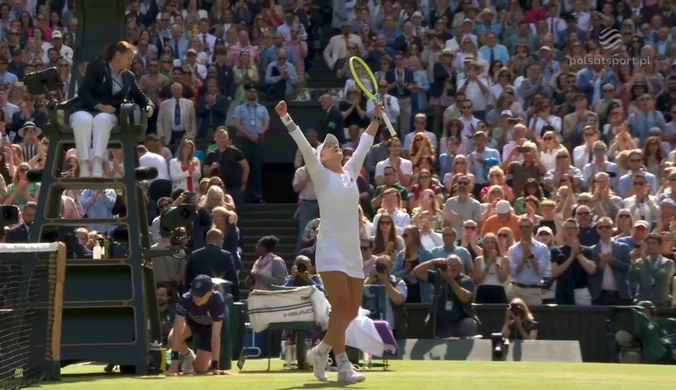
146	173
34	175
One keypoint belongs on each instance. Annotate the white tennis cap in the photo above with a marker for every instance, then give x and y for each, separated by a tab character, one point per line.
330	140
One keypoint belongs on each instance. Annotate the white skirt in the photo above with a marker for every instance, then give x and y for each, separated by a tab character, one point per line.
340	254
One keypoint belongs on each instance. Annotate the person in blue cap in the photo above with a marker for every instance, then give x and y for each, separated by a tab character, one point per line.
201	312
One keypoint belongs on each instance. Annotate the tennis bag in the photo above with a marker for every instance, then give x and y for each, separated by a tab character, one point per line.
302	304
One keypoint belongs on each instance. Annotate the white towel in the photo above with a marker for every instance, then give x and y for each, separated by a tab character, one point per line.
362	334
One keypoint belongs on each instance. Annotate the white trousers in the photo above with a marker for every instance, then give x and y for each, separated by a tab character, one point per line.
86	125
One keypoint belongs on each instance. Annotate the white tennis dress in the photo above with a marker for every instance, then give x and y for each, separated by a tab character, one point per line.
338	245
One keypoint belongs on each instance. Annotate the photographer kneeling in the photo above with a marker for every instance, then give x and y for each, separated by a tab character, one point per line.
519	322
454	314
394	287
301	275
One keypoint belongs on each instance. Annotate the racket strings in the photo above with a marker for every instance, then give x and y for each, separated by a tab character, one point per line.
364	76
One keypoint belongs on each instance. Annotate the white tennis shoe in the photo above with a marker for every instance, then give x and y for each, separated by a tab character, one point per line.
187	367
350	376
318	362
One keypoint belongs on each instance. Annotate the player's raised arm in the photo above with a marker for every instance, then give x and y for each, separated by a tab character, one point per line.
306	150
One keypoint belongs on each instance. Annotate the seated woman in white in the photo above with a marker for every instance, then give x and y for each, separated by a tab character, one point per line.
106	85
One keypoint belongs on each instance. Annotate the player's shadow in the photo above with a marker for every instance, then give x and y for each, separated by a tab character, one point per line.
320	385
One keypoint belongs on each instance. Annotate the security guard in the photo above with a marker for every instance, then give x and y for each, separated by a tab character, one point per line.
252	121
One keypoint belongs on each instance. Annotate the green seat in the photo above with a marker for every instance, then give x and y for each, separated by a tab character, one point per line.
299	327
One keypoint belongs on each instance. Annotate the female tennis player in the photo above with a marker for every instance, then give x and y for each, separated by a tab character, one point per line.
338	254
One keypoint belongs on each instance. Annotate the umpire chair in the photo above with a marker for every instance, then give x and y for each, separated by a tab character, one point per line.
113	296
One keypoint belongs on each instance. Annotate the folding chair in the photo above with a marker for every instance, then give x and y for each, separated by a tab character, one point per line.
300	328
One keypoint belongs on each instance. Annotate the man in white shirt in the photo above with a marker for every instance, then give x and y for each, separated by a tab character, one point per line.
149	159
475	87
389	102
580	14
391	205
57	43
470	122
208	40
554	22
642	205
404	167
529	263
428	237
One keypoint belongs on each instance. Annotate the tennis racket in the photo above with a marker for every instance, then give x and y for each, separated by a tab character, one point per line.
362	75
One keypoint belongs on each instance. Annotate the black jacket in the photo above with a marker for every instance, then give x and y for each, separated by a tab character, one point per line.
214	262
17	235
97	88
333	124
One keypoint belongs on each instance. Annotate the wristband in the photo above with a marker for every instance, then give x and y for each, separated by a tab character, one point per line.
174	355
286	120
214	364
378	119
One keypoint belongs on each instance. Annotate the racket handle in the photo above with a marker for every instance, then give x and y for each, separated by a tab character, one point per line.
386	119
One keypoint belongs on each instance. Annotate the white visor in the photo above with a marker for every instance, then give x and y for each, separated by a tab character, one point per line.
330	140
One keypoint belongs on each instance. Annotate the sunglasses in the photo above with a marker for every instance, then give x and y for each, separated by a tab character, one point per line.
604	227
543	234
463	183
503	235
639	183
386	222
635	160
365	248
460	162
583	213
469	227
622	216
547	138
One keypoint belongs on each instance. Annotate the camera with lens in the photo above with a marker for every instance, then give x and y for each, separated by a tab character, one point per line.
500	346
442	267
516	309
381	268
301	267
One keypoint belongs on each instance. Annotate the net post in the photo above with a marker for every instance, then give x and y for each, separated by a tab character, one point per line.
53	369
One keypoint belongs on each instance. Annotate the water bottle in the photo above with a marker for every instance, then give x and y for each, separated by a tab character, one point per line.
106	248
154	358
98	251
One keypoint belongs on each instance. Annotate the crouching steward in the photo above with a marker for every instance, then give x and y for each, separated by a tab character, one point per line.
199	312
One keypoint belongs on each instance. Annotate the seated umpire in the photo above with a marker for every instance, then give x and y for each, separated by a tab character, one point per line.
107	84
454	306
200	312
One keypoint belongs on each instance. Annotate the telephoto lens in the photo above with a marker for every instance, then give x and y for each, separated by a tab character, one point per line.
301	268
442	267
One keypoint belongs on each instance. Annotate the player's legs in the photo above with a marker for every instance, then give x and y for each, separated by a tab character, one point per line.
356	293
337	289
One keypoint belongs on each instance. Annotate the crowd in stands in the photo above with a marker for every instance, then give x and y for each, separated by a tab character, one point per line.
539	163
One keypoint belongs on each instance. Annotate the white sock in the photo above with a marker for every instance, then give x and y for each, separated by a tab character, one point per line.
343	362
324	348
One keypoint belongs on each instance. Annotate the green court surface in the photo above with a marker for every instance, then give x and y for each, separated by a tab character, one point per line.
404	375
